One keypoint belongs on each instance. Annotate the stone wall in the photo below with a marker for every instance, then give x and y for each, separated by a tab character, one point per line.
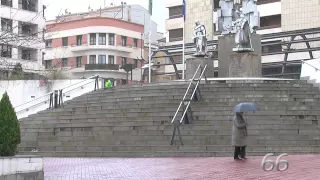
21	168
297	14
24	176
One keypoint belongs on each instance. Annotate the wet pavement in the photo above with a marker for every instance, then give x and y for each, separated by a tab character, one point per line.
301	167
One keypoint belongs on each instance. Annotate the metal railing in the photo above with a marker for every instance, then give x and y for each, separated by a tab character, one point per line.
316	69
53	99
186	107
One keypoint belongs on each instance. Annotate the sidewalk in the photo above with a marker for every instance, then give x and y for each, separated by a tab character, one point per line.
301	167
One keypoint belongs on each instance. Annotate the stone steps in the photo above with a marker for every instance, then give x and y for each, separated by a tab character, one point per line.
251	118
135	121
130	154
186	148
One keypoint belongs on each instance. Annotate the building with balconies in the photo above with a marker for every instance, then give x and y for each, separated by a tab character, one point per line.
275	16
95	45
21	36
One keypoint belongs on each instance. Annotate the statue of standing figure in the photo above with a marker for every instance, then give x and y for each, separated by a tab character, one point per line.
243	33
239	17
249	9
200	36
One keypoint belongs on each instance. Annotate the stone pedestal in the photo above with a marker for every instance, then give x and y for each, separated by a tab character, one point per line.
225	45
193	63
245	64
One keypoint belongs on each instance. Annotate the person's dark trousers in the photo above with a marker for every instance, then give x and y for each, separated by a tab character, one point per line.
243	151
237	152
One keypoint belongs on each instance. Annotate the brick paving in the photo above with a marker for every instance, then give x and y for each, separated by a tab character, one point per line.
301	167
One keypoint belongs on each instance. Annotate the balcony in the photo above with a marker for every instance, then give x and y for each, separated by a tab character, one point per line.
28	54
28	29
175	22
173	3
6	3
29	5
86	47
90	67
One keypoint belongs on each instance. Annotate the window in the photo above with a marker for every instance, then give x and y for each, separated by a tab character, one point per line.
175	35
26	54
273	21
111	39
65	41
123	40
216	4
102	59
135	42
135	63
272	48
6	25
49	43
28	5
175	12
6	2
64	62
110	59
79	61
92	59
102	39
6	50
266	1
79	40
123	61
48	64
93	39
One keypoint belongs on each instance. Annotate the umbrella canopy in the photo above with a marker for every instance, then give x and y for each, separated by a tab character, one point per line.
245	107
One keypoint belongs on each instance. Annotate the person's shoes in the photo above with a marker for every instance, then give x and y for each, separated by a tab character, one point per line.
243	157
237	158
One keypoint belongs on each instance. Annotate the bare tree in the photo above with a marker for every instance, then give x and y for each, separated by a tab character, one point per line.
14	69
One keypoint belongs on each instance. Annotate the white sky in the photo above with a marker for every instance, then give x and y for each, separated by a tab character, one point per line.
54	7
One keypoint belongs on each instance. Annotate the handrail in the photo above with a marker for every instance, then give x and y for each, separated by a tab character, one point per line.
95	76
184	97
35	99
317	69
53	92
194	91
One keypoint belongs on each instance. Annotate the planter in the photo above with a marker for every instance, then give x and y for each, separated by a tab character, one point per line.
21	168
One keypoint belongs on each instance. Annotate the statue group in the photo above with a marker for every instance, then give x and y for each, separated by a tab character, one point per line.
239	17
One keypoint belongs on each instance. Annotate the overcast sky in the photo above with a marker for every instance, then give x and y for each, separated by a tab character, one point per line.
54	7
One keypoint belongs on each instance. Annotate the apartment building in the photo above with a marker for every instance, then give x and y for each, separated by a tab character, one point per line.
91	45
205	11
21	32
275	16
131	13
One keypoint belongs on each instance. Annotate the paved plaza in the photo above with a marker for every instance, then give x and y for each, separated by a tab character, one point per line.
301	167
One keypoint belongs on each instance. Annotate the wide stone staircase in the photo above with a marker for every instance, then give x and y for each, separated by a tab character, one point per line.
135	121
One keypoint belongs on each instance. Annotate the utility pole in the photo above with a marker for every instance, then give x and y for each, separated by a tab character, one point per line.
150	12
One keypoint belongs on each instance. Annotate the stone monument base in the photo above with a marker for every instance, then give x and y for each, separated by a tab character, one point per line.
193	63
225	50
245	64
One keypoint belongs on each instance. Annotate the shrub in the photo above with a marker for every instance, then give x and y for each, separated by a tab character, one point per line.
9	128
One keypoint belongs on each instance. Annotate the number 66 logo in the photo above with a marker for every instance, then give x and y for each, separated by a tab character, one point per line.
265	162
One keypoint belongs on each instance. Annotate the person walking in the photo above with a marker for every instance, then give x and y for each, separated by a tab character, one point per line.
239	136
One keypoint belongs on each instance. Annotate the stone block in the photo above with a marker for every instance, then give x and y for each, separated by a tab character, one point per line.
245	64
226	44
193	63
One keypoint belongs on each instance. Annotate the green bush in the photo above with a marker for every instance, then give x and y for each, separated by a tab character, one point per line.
9	128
